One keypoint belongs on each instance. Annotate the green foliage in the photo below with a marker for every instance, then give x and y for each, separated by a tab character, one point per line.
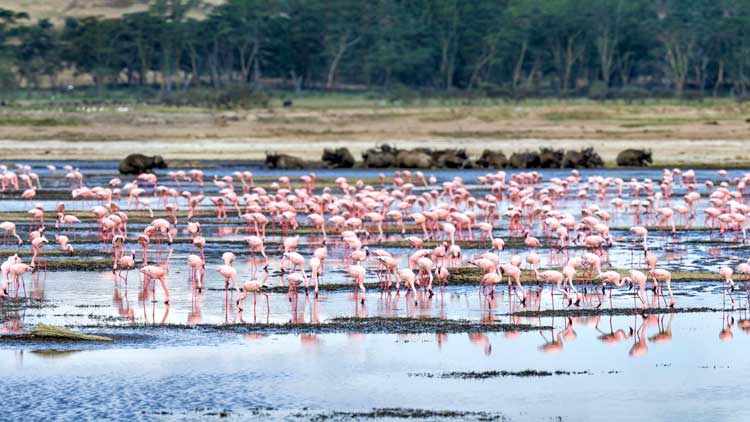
598	91
404	48
37	122
239	96
8	80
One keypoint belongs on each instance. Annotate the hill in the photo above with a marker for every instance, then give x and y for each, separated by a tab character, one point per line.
58	10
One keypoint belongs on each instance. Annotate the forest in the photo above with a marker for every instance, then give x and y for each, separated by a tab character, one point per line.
491	48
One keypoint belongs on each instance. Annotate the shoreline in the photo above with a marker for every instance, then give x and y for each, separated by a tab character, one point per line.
692	136
697	154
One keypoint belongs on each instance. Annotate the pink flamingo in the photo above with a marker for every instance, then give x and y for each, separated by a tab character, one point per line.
315	268
556	277
296	260
514	273
294	280
228	272
642	232
255	243
155	272
63	241
10	228
126	263
17	270
531	242
197	266
569	271
357	272
609	277
37	246
425	271
200	243
726	275
255	287
6	265
635	276
665	276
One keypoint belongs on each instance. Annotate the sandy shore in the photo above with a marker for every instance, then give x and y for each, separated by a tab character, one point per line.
678	135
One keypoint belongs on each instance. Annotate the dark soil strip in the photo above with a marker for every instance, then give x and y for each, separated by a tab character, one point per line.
374	325
614	311
13	339
496	374
402	413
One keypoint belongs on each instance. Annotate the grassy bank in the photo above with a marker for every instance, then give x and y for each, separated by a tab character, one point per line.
711	133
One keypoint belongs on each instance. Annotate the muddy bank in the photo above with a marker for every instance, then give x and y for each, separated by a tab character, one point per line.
480	375
403	413
678	135
471	275
368	325
578	312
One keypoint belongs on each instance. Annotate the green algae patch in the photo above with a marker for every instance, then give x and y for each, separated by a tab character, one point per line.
49	333
79	264
54	353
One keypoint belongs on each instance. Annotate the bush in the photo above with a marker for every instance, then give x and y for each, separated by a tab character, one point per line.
692	95
229	97
8	80
631	93
399	93
662	92
242	98
598	91
491	90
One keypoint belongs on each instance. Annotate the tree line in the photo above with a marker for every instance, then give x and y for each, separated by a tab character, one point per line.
479	47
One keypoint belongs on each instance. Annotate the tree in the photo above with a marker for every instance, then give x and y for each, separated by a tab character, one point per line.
343	30
38	52
140	42
173	35
565	36
91	47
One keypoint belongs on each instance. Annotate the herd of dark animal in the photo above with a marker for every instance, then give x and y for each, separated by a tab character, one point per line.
387	156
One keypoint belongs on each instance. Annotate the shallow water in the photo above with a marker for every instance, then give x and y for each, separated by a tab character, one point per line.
691	374
679	366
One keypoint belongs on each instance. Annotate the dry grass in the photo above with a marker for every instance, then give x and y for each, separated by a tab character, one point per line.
58	10
678	134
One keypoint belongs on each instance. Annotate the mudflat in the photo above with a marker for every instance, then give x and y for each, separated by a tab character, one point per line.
713	134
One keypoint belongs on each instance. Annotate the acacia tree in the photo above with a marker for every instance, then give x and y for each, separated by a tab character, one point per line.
344	29
481	41
445	18
396	44
9	25
140	40
91	46
299	43
38	53
565	37
173	34
244	26
607	17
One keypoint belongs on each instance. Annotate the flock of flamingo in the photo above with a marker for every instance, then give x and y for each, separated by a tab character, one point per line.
570	215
